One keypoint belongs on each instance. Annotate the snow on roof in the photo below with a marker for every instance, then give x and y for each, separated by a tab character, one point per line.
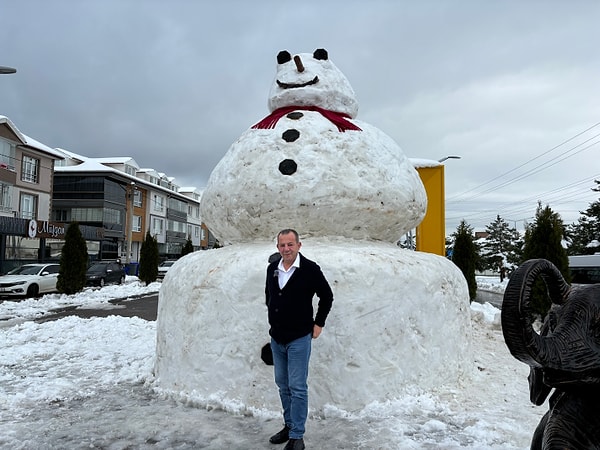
71	155
118	160
89	165
29	141
190	189
419	163
8	122
149	170
95	165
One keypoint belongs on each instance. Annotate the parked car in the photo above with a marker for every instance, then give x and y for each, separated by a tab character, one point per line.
585	269
163	267
29	280
105	272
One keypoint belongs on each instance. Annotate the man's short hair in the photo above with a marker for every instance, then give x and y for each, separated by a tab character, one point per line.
288	231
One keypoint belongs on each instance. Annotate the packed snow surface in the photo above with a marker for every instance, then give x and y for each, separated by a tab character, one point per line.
88	383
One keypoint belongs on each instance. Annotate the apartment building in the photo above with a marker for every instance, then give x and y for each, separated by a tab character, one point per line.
114	200
126	200
26	177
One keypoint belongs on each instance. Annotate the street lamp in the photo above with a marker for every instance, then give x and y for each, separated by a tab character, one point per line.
7	70
448	157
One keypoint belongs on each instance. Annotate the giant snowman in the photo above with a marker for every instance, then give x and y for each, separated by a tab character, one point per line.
399	319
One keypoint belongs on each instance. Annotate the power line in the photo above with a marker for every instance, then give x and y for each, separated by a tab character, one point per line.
527	162
539	168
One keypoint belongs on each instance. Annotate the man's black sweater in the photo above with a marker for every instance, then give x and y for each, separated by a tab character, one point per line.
290	308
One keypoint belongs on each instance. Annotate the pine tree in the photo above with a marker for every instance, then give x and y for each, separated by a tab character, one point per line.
499	249
187	248
543	239
584	236
148	270
73	262
465	255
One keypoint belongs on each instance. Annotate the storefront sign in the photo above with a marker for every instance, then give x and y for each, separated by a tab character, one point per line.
45	229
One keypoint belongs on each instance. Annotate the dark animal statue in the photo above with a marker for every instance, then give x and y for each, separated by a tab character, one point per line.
564	355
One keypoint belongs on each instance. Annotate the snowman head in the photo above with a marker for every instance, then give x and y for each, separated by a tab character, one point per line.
311	80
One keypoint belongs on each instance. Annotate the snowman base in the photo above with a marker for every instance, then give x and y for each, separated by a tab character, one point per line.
399	319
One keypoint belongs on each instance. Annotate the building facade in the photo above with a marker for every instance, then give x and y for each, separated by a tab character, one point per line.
26	178
114	201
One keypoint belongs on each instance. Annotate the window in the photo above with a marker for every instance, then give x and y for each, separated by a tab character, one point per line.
30	169
28	206
158	203
176	226
5	197
87	214
157	226
7	155
136	224
194	211
177	205
130	170
61	215
137	198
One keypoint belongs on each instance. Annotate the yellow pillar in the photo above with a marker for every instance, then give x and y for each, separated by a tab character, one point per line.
431	232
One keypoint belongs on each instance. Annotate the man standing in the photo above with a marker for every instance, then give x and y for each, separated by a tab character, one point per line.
291	285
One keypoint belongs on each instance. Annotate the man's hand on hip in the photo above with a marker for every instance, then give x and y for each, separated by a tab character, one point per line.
316	331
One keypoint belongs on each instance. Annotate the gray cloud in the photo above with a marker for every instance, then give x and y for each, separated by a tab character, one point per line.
174	84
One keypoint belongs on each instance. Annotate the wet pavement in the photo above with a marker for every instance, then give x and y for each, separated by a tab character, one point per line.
144	307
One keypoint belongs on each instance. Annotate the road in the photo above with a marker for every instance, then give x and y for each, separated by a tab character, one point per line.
143	307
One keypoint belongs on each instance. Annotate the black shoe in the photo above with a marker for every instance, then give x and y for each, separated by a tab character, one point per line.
295	444
281	437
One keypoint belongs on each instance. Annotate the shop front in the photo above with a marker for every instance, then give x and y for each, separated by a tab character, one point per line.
25	241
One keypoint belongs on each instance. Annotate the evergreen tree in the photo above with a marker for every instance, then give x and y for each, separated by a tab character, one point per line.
543	239
465	255
499	249
187	248
73	262
515	255
584	236
148	270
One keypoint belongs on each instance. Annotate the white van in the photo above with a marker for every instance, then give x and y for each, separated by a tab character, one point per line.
585	269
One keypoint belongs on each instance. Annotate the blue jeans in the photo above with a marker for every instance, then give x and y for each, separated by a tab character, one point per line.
291	373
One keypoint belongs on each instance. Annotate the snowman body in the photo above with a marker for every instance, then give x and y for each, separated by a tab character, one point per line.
319	171
324	182
399	318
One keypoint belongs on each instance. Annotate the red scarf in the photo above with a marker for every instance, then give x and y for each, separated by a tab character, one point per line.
338	119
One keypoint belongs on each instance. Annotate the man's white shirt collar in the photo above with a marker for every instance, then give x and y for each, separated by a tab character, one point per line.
285	275
295	264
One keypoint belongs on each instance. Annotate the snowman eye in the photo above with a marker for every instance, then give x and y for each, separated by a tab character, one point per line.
321	53
283	57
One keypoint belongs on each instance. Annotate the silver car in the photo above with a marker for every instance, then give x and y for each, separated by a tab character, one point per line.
29	280
163	267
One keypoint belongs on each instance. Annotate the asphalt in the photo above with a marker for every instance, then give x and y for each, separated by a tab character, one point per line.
144	307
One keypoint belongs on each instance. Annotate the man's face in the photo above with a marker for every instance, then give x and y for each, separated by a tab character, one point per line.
288	247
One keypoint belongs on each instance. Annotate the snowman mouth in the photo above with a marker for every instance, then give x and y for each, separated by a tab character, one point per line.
282	85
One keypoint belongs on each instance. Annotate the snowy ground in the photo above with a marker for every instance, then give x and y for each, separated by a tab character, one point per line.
87	383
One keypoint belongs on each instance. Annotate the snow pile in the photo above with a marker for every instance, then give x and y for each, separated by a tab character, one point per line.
377	341
88	383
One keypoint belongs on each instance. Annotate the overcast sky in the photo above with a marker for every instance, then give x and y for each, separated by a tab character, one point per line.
510	86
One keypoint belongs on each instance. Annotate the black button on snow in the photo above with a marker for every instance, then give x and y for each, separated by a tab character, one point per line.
288	167
295	115
290	135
